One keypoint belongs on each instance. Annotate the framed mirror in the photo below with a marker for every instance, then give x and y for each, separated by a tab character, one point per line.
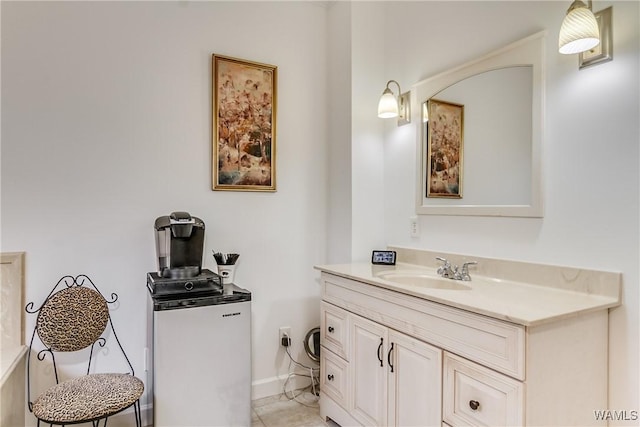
481	155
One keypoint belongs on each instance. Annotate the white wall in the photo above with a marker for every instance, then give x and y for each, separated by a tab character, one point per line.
590	163
367	137
339	189
106	114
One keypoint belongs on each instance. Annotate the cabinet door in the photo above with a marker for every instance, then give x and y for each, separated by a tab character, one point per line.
369	372
415	382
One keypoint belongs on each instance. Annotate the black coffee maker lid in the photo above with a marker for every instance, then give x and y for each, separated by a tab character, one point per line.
181	218
181	223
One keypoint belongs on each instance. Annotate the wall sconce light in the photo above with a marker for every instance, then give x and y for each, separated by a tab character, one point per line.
389	106
579	31
586	34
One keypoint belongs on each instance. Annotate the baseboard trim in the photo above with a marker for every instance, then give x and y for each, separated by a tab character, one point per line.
275	385
331	410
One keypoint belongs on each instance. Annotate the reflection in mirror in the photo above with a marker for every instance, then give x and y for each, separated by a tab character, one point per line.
496	160
502	97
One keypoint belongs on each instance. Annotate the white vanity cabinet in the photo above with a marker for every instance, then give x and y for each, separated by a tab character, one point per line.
392	359
382	377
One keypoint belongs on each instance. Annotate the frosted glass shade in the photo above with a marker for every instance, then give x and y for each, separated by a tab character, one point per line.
579	31
388	105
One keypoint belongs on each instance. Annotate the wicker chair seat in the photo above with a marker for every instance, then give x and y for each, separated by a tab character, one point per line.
87	398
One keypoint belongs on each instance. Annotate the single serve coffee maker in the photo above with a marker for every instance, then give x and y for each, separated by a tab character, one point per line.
179	246
180	243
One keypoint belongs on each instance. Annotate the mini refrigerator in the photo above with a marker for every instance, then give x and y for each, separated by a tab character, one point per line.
201	359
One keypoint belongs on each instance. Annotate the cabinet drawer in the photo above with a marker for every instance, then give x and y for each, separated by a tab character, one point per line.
334	377
334	329
477	396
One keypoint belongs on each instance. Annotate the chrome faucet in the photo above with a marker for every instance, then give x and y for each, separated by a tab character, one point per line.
445	269
463	274
448	271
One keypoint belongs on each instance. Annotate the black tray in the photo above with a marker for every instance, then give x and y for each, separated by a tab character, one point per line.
206	282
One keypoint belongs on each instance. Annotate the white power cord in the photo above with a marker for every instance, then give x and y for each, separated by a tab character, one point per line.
314	375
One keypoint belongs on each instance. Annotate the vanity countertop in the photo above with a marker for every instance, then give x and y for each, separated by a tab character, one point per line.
527	304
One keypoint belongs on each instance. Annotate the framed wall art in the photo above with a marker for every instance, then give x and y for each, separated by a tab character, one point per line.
445	134
244	125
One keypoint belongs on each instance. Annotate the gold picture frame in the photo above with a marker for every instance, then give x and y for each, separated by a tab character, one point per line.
445	143
243	125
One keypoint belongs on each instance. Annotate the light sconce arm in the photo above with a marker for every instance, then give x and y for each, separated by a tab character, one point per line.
388	104
391	106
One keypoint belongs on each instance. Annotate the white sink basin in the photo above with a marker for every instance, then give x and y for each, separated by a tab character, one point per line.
422	279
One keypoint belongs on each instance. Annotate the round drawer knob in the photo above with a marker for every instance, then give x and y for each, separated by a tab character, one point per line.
330	377
330	329
474	405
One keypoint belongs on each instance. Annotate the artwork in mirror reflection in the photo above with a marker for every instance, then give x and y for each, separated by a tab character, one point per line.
497	133
445	129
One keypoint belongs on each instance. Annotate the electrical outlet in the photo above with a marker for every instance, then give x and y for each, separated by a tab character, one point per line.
414	227
284	336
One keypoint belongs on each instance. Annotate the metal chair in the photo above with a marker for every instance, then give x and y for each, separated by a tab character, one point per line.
71	319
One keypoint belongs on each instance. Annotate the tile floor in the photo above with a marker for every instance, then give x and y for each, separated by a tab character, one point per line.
280	411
